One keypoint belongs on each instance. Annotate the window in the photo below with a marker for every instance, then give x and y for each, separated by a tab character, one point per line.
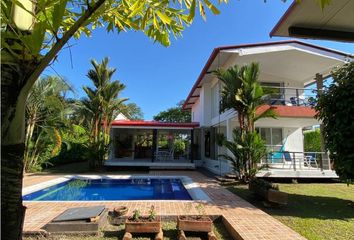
273	137
214	100
274	89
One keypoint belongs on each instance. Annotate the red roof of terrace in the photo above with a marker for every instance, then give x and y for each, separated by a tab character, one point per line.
289	111
152	124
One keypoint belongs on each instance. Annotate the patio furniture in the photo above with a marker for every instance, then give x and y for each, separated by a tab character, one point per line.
310	159
293	101
287	159
164	155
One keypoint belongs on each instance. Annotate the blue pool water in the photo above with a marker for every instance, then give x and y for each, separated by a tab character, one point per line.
112	189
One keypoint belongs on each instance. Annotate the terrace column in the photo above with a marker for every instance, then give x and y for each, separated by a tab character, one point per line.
202	143
192	146
111	144
154	144
319	82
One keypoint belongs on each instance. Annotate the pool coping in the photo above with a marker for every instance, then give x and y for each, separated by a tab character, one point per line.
193	188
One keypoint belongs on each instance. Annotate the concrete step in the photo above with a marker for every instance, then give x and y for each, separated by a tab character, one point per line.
230	175
225	180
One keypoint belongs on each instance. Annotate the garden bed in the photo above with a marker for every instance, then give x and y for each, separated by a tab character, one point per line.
116	232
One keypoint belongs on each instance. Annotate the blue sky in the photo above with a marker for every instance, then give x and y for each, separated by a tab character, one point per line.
157	77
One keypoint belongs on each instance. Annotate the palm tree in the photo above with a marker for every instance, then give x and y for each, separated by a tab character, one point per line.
231	85
242	92
46	110
101	106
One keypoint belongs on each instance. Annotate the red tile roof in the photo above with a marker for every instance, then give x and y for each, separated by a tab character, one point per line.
289	111
152	124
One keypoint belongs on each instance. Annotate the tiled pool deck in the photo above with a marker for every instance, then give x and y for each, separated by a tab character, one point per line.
243	220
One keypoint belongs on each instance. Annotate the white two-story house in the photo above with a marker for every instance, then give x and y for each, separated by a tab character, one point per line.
291	72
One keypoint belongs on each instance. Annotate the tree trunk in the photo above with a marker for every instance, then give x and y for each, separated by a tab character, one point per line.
12	210
14	91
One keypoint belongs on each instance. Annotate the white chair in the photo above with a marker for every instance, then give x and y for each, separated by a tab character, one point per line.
310	160
164	155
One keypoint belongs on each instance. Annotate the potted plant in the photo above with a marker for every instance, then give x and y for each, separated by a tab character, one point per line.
195	223
143	224
268	191
115	217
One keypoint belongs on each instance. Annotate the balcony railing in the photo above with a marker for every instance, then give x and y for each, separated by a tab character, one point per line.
290	96
296	160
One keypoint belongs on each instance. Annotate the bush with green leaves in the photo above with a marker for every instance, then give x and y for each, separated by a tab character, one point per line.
74	147
179	146
335	108
312	141
247	151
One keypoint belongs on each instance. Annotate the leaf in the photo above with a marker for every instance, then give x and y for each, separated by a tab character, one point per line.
135	8
165	40
35	40
164	18
212	7
202	11
156	24
192	11
58	13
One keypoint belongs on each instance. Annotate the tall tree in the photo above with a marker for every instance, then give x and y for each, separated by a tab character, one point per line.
101	106
46	110
132	111
335	108
242	92
33	33
175	114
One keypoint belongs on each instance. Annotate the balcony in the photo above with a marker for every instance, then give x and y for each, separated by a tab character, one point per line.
284	164
296	160
289	96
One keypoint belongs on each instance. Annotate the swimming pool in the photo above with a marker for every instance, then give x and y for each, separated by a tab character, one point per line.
112	189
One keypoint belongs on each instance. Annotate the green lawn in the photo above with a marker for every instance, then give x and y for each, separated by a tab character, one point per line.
316	211
116	233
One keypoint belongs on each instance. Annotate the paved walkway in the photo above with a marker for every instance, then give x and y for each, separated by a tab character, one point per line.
243	220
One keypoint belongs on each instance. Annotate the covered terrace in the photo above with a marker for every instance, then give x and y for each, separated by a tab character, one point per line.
152	144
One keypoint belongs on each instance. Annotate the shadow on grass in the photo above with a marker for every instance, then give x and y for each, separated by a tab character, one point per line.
303	206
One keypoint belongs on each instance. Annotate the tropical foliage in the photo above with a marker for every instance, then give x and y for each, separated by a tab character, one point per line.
75	147
242	92
46	110
245	147
335	108
175	114
132	111
33	33
100	107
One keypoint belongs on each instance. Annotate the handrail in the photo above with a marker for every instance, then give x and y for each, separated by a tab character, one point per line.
296	152
294	88
297	160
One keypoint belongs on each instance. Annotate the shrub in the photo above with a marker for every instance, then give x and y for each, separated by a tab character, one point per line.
74	146
312	141
335	108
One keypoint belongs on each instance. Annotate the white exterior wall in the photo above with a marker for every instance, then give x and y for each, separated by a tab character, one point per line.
219	167
206	91
197	111
294	139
